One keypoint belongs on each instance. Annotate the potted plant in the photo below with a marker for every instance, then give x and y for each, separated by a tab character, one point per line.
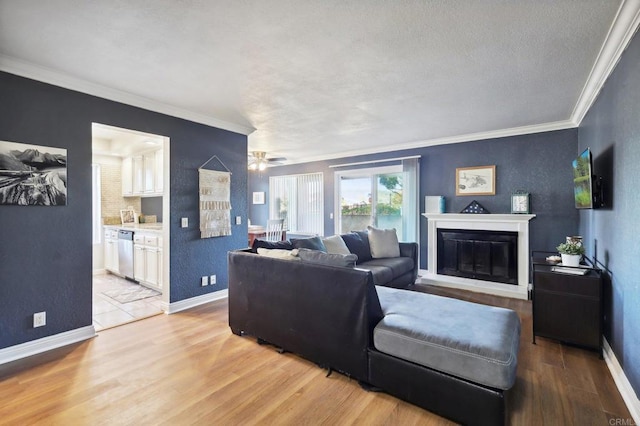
571	252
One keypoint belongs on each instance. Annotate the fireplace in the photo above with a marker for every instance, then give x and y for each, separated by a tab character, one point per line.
481	255
475	265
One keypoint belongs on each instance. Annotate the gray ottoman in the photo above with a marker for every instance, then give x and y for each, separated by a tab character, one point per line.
474	342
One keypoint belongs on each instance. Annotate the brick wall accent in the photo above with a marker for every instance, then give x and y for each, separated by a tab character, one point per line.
111	188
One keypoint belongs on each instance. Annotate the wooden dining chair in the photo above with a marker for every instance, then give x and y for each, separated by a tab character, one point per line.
274	229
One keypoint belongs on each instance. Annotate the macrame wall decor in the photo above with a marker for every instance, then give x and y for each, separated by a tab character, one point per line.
215	201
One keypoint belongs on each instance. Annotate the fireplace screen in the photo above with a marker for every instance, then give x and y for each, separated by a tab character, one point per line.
480	255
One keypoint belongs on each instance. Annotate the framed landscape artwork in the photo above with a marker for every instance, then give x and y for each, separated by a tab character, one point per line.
32	175
476	180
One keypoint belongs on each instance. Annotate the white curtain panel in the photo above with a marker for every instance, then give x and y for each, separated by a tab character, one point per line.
215	203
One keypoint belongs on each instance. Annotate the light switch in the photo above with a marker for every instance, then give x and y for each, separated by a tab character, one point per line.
238	220
184	222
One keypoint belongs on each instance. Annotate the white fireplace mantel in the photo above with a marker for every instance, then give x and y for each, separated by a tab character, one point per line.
487	222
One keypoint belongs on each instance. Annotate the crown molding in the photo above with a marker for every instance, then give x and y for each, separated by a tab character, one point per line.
624	26
46	75
470	137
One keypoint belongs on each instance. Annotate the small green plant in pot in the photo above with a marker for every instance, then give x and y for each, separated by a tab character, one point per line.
571	252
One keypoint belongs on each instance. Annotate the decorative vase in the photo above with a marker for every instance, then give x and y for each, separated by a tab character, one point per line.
571	259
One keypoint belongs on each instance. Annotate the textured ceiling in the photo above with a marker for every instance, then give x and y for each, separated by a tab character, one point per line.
319	79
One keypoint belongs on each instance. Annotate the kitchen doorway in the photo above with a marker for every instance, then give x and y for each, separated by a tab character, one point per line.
130	217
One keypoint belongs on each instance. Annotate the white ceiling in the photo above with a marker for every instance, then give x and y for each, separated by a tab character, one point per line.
326	78
114	141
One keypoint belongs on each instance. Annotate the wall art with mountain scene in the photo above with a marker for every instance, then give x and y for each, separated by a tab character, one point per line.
32	175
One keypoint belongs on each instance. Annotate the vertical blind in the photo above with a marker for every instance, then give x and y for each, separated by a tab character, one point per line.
299	200
410	197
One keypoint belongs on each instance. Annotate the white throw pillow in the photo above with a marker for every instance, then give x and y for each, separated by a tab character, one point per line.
279	253
383	242
335	245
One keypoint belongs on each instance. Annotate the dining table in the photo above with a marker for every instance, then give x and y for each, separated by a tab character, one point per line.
259	232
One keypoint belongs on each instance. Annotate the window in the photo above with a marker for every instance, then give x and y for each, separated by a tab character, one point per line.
384	197
96	209
299	200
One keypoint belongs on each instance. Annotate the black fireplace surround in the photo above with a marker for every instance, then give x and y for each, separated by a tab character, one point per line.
480	255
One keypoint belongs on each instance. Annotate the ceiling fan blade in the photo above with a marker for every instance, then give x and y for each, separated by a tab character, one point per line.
276	159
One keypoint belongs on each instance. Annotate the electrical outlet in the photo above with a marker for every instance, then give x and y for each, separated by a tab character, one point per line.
184	222
212	279
204	281
39	319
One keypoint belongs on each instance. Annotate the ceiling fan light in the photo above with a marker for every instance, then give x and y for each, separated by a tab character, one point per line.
262	165
253	166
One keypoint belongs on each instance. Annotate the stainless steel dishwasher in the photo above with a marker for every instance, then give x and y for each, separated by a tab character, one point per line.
125	253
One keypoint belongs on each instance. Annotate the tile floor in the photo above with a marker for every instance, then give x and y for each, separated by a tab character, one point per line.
108	312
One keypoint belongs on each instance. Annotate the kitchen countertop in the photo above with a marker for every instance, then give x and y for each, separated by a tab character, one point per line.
138	226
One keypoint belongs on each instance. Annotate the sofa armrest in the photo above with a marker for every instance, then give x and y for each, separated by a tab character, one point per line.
411	250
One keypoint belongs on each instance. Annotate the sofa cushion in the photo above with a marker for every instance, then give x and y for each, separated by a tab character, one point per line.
329	259
475	342
397	265
279	253
383	242
282	245
313	243
357	246
381	274
335	244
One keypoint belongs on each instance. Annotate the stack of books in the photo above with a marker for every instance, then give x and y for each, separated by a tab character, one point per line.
580	270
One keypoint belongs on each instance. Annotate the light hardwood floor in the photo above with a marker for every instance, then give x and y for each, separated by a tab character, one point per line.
187	368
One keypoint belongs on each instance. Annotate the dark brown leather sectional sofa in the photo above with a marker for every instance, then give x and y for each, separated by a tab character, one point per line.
328	315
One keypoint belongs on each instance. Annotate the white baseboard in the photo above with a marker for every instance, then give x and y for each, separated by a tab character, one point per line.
48	343
172	308
99	271
623	384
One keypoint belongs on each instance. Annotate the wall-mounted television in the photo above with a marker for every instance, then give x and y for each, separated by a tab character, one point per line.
582	180
587	188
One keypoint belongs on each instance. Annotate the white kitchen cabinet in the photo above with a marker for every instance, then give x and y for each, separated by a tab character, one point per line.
142	175
159	171
127	176
139	262
151	265
111	263
149	160
147	260
138	175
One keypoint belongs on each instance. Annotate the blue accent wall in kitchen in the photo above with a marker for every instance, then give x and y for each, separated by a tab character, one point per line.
539	163
612	130
45	252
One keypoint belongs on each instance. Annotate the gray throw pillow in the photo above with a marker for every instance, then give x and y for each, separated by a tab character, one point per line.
328	259
335	245
313	243
383	242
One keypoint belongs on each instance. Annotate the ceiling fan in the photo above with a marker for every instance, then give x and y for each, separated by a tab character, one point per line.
258	160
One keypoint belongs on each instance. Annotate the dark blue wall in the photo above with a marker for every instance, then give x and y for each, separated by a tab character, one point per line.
612	130
45	252
539	163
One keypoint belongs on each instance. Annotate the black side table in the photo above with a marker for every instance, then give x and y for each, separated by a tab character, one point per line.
567	302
